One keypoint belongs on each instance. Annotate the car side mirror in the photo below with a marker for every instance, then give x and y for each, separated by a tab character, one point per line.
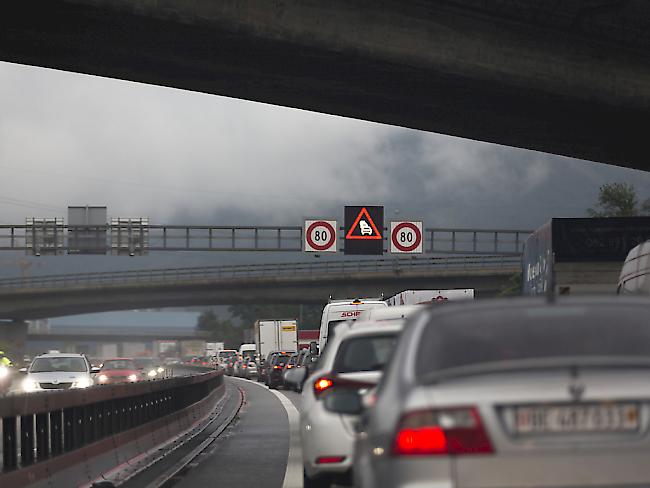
346	402
23	370
313	348
95	369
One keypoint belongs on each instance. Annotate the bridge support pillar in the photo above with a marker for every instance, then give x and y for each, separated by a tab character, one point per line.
13	336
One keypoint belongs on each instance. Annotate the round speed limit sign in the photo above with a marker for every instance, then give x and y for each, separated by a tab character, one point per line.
406	237
320	235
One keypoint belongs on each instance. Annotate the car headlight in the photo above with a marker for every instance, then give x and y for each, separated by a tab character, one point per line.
82	383
4	372
160	369
133	377
29	385
152	373
102	378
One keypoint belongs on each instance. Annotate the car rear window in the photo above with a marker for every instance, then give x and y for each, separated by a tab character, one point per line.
364	353
281	360
492	336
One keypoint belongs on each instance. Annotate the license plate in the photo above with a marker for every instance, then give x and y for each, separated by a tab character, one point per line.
616	417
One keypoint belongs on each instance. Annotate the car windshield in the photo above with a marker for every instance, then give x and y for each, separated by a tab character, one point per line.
66	364
248	354
142	363
364	353
118	364
533	334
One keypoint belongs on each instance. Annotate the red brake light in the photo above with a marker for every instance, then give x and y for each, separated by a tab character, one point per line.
321	385
330	459
277	367
289	366
442	432
244	366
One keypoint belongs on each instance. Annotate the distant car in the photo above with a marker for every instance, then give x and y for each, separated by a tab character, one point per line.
224	355
229	366
119	370
250	371
352	361
304	367
512	393
149	368
274	369
57	371
290	365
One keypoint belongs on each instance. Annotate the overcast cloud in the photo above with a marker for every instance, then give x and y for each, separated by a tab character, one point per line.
183	157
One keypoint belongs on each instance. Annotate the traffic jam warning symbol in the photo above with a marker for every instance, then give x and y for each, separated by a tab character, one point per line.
406	237
320	235
364	230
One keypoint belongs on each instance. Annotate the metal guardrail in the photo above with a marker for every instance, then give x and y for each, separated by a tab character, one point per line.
39	426
177	275
55	238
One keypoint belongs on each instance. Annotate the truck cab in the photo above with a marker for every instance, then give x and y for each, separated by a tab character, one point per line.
340	311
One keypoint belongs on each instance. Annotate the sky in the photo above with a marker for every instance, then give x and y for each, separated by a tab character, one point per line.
180	157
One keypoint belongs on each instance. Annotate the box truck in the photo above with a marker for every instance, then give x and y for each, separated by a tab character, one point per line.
275	335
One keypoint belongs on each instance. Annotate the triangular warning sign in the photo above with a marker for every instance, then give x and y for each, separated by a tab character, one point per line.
367	227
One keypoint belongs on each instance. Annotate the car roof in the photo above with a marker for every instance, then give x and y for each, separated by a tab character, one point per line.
387	313
60	355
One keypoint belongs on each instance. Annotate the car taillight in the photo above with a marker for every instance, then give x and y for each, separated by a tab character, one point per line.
277	367
330	459
450	431
326	382
244	366
289	366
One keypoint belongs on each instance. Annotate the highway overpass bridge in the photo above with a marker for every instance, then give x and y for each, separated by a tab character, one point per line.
292	283
570	78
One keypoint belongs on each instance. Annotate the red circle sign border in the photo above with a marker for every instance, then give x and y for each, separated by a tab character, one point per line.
418	237
328	244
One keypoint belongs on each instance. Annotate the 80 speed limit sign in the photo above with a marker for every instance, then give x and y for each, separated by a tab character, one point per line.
406	237
320	235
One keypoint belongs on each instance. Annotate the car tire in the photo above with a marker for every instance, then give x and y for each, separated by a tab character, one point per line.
318	482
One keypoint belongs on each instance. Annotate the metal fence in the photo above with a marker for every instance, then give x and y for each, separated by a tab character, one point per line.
176	275
55	238
39	426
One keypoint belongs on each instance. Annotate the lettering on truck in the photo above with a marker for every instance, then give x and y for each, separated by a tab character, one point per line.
354	313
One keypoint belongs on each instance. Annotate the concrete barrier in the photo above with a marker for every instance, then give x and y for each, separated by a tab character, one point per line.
69	438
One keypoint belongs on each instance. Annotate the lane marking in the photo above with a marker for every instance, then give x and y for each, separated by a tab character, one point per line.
293	474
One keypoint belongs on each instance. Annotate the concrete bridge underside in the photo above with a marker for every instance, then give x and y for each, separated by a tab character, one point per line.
570	78
26	304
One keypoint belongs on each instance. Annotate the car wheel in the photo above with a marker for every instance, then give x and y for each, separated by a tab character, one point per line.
319	482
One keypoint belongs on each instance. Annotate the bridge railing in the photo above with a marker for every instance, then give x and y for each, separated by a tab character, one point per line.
191	274
37	427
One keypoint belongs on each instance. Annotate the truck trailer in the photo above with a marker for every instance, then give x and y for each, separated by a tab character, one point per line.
580	255
275	335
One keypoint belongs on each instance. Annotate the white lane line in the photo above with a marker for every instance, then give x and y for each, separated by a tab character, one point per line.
293	474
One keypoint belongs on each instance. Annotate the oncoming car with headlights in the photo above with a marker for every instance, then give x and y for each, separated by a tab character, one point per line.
119	370
149	369
58	371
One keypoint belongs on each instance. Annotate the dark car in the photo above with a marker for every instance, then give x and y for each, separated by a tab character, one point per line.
275	367
306	364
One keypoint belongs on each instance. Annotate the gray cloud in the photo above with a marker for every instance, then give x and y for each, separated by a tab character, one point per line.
177	157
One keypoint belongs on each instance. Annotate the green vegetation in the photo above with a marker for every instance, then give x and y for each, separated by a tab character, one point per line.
619	200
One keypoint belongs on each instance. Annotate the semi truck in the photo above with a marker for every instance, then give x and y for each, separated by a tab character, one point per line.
580	255
275	335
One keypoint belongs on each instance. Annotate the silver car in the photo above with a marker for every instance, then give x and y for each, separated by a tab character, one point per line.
513	393
58	371
352	360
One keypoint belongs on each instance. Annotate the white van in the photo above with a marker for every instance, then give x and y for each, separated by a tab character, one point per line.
340	311
390	314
